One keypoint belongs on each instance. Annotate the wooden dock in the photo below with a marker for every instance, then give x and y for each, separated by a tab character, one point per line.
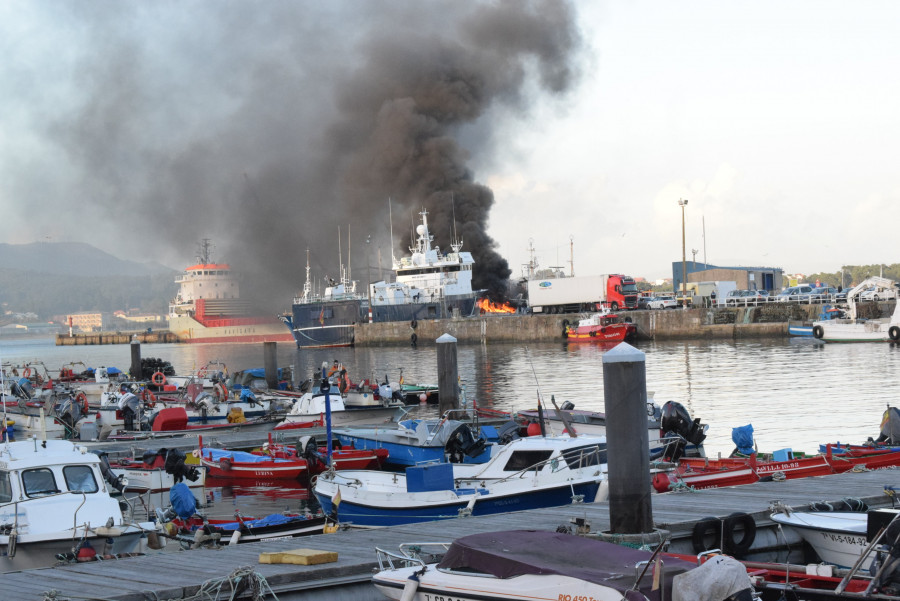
180	574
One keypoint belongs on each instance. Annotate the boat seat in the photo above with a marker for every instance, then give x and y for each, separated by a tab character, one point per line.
783	455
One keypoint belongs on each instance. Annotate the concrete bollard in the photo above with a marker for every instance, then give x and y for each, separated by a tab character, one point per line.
448	374
137	373
627	438
270	363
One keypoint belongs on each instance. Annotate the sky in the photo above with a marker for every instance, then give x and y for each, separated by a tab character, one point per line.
274	127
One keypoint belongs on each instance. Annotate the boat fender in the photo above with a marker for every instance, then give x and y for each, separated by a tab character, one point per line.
894	333
603	330
158	378
235	538
410	588
818	332
592	333
220	391
413	338
738	533
704	528
225	464
413	324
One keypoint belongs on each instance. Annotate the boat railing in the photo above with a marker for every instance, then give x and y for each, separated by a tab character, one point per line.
410	555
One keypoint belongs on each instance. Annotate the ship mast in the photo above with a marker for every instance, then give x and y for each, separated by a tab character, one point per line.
204	250
456	243
307	286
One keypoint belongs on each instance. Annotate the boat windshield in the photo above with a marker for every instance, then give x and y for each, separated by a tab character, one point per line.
39	482
80	478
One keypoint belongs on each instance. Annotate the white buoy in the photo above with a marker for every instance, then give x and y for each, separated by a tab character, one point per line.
423	398
235	538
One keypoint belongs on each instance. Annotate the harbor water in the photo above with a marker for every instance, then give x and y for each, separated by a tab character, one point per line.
796	393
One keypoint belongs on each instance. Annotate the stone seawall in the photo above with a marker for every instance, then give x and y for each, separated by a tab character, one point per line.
115	338
723	323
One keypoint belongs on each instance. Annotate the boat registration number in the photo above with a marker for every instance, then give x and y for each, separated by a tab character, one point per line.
430	597
575	598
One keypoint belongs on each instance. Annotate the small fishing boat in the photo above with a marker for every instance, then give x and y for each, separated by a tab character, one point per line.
55	501
222	463
183	521
412	442
838	537
853	328
313	405
316	456
532	565
527	473
601	327
157	470
668	427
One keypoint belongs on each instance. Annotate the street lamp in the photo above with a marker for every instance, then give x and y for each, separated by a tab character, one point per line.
683	203
369	274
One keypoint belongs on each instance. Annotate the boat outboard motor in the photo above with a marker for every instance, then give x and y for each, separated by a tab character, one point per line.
462	443
567	406
68	412
508	432
175	465
676	423
119	482
23	389
130	406
890	429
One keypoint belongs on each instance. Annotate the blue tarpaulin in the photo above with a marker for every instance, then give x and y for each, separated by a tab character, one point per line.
239	456
743	439
182	500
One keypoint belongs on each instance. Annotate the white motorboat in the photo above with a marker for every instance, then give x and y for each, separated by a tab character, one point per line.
55	501
312	407
838	537
549	566
853	328
527	473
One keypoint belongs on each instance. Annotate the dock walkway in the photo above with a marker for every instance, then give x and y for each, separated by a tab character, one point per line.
180	574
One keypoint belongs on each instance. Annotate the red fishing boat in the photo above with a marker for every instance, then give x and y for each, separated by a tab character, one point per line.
601	327
342	457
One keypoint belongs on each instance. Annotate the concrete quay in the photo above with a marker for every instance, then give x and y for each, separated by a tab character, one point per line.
701	323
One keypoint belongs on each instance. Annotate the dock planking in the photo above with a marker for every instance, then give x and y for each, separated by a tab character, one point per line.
179	574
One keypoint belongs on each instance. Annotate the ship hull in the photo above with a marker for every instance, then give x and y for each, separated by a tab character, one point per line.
331	324
326	324
244	330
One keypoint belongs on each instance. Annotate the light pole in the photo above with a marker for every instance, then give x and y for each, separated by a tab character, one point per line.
369	275
683	203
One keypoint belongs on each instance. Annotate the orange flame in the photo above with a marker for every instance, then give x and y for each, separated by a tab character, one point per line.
487	306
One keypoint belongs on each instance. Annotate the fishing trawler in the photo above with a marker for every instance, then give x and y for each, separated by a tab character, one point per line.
208	307
428	285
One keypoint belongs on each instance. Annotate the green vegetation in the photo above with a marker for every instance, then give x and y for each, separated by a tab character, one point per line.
854	274
53	294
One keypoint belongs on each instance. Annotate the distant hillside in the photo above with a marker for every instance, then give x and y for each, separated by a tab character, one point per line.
72	258
52	278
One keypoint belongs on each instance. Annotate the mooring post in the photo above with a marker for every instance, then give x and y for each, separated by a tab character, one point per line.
137	373
270	362
448	374
627	439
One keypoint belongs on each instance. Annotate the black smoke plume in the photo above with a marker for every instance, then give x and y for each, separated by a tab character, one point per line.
270	126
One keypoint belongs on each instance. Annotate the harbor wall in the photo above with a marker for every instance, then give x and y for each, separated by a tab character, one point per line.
114	338
701	323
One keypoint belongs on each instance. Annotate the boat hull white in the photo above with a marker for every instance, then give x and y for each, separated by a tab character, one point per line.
838	538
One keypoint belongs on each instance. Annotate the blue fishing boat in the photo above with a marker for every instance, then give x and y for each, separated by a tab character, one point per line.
527	473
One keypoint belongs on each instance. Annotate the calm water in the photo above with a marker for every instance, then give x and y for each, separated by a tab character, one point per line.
795	393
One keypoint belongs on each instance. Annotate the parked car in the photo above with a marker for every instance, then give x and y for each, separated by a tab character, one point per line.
823	294
662	302
874	294
754	297
799	293
733	298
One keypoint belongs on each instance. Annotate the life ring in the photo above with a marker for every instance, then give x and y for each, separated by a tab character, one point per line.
704	528
413	338
81	399
818	332
26	372
413	324
159	378
894	333
738	522
220	391
147	396
202	372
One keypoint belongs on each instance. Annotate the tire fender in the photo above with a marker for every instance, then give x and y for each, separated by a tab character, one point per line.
708	526
746	526
818	332
894	333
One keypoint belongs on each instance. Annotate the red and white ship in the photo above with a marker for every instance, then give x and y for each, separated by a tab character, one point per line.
208	308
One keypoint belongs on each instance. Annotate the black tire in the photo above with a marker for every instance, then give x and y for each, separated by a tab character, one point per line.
413	338
565	323
738	533
709	526
614	306
413	324
818	332
565	333
894	333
